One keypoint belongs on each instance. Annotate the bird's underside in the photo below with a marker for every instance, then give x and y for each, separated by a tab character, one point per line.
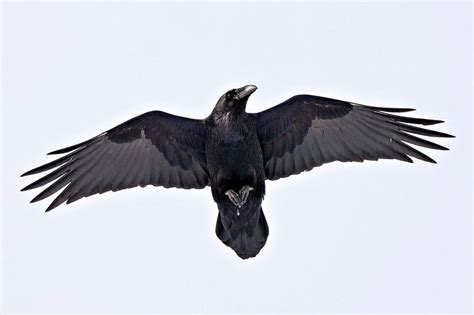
234	152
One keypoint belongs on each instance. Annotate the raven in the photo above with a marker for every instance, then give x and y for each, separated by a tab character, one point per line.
234	152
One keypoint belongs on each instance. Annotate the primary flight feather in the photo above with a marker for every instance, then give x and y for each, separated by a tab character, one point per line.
234	152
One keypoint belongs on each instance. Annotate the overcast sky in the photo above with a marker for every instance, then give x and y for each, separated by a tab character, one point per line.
373	237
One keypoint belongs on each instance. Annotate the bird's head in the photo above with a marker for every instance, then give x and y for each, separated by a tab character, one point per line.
234	101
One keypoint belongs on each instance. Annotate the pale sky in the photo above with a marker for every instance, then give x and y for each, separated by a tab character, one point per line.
374	237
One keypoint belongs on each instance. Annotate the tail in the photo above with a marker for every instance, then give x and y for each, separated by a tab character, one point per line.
244	240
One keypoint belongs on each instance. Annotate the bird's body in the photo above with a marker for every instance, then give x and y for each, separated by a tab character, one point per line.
228	167
243	227
233	152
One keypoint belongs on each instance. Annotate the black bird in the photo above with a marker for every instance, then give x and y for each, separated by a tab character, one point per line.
234	152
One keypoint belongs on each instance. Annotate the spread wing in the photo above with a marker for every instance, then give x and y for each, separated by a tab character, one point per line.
155	148
308	131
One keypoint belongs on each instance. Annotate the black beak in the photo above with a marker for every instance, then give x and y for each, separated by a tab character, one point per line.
245	91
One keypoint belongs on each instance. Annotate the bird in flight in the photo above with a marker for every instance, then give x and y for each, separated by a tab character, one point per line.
233	152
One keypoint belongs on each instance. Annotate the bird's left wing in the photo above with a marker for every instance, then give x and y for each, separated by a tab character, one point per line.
155	148
307	131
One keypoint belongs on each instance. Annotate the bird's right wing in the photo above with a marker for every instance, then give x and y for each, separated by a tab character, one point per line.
307	131
155	148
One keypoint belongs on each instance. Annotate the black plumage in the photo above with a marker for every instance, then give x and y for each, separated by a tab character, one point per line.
234	152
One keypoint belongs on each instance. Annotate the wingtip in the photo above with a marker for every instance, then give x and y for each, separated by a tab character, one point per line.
396	110
55	152
49	209
77	146
26	174
29	187
65	150
387	109
403	110
432	122
24	188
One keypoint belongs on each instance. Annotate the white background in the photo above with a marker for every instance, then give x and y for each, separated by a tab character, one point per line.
373	237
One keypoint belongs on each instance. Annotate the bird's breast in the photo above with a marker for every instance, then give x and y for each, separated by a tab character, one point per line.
236	157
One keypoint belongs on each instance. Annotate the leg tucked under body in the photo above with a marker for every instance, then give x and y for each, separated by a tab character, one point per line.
240	198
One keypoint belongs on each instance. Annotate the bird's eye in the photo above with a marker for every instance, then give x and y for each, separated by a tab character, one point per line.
230	95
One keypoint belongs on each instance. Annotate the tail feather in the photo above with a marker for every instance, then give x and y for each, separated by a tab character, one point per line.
244	241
